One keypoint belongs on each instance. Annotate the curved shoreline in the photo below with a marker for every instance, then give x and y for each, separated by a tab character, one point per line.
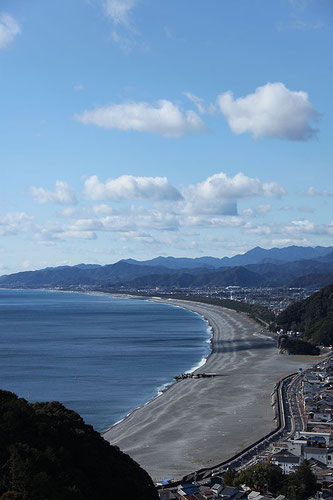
199	422
167	385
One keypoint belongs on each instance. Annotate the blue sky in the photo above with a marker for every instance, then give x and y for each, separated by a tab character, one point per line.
137	128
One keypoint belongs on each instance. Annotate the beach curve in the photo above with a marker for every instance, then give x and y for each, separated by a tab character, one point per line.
200	422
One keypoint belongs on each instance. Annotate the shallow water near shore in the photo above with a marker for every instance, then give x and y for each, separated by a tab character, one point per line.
100	356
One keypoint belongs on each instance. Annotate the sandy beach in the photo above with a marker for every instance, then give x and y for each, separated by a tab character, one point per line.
201	422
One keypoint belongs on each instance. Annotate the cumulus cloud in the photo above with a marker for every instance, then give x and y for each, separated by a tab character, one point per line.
9	29
218	195
164	118
271	111
62	194
240	186
129	187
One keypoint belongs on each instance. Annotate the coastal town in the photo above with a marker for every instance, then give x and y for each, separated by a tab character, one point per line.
304	436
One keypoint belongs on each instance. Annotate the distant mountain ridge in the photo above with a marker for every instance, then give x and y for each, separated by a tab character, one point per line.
254	256
260	268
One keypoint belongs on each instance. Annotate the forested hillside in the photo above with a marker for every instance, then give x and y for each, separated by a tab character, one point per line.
48	452
312	316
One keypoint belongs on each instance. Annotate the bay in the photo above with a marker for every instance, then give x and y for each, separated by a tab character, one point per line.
98	355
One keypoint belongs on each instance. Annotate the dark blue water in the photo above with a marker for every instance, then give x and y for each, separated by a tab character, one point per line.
99	356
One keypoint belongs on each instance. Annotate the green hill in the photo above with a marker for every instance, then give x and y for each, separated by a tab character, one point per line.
47	452
312	316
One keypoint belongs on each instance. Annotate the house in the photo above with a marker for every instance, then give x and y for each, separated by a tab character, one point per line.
319	454
186	489
286	461
207	493
166	495
228	492
295	446
316	433
217	488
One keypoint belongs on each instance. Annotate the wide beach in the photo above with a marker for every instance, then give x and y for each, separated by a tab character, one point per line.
201	422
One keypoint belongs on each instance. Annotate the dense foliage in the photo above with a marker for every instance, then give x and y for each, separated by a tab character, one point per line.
297	346
312	316
48	452
264	477
301	484
261	477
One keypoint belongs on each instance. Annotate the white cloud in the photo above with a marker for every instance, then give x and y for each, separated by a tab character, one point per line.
207	221
15	223
312	191
220	186
119	10
62	194
251	228
307	227
198	205
259	210
164	118
103	209
138	220
78	235
286	242
200	105
218	195
271	111
129	187
125	33
197	101
84	225
9	29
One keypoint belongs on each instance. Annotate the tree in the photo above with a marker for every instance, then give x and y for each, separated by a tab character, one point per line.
262	476
229	477
300	484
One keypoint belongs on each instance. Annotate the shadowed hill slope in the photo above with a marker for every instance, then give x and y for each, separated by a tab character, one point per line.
312	316
48	452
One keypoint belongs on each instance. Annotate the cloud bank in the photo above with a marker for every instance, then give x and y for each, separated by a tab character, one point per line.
271	111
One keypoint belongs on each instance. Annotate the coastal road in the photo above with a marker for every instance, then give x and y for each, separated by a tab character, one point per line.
294	406
197	423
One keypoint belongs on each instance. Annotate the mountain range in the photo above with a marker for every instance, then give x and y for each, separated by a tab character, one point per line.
290	266
254	256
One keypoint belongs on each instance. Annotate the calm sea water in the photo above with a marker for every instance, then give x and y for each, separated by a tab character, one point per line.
99	356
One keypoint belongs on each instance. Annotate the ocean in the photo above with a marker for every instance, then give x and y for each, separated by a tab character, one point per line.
98	355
